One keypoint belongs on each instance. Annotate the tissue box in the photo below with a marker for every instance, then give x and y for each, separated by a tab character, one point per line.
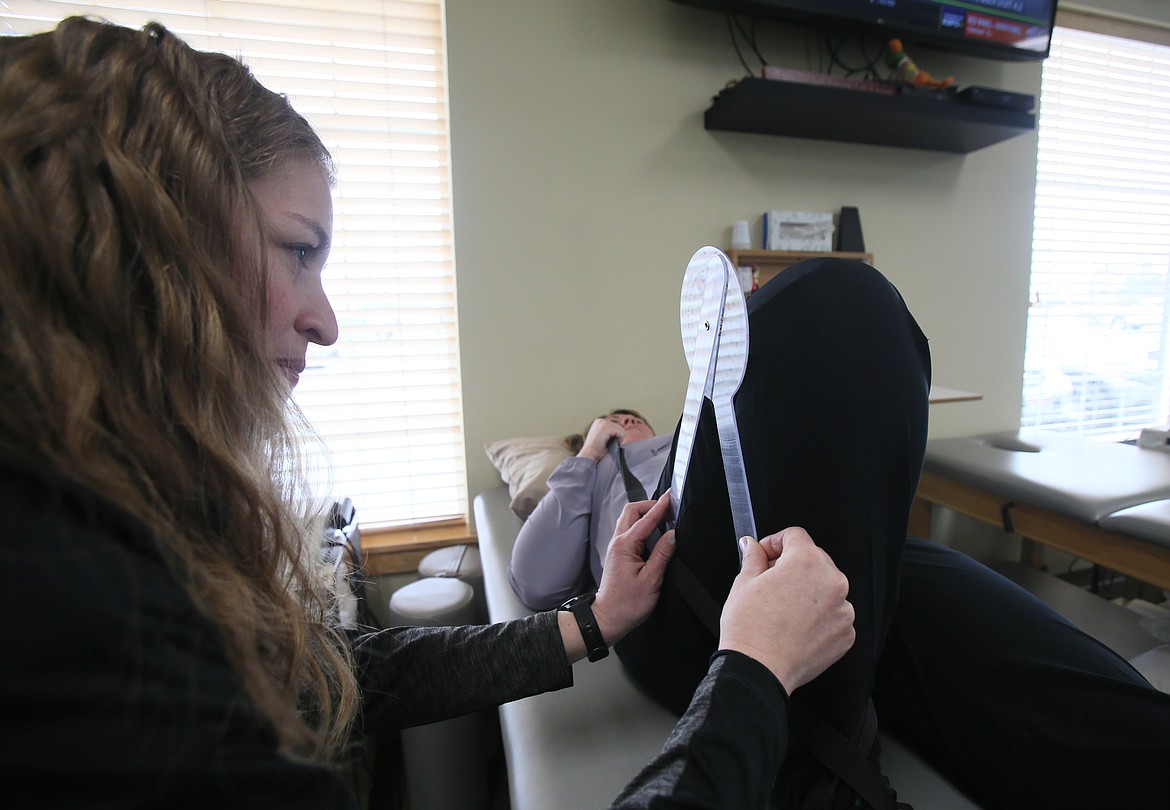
798	230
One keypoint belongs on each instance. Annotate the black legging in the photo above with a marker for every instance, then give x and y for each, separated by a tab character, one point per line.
1014	704
984	681
832	415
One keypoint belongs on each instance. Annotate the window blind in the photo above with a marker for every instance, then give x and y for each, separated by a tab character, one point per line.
1096	361
370	76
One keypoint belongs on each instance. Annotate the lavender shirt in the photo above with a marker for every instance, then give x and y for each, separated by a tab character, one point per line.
561	547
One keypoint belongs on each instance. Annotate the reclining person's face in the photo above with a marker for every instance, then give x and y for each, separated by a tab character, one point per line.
636	428
296	204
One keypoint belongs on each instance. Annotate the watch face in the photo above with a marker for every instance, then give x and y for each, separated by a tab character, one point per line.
582	599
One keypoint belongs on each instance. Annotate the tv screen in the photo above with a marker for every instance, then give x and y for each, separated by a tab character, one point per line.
1012	30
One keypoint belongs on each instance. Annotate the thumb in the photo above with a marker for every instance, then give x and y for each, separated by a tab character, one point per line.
660	555
755	561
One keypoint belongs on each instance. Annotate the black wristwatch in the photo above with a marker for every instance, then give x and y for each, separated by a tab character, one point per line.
581	608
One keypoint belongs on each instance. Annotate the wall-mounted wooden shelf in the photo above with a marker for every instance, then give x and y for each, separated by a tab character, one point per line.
771	262
911	120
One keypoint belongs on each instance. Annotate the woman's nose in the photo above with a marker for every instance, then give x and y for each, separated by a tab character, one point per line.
317	321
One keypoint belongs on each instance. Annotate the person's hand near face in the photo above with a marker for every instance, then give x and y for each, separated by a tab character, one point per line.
625	427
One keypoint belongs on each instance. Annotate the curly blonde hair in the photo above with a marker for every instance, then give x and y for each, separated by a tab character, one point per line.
134	361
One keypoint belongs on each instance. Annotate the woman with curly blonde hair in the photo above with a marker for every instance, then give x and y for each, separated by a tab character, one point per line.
133	367
164	223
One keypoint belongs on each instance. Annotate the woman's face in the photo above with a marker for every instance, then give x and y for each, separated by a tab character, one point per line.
296	204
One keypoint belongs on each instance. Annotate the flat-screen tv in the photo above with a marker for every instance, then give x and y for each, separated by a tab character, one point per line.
1010	30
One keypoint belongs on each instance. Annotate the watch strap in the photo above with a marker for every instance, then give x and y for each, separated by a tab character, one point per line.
582	609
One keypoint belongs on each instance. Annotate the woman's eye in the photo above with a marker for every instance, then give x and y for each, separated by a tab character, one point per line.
302	253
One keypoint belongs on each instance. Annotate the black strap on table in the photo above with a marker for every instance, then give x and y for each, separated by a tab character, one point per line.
848	761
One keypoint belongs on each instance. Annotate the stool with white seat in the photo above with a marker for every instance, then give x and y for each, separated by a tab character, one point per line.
460	562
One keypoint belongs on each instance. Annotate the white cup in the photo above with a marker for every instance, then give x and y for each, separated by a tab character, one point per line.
741	238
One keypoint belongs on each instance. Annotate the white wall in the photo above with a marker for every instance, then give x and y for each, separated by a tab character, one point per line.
584	180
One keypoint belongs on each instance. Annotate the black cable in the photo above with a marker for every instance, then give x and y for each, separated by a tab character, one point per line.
872	71
751	38
830	44
812	39
735	44
867	67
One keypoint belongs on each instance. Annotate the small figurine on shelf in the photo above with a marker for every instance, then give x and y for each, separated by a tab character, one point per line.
749	278
908	72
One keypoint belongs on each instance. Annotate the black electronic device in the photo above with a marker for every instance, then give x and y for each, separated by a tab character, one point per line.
990	97
849	238
1019	31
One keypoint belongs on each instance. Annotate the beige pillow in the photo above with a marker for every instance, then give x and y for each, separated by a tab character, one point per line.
525	464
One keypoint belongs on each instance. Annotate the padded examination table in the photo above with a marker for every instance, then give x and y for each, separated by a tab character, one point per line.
577	748
1067	492
1149	521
